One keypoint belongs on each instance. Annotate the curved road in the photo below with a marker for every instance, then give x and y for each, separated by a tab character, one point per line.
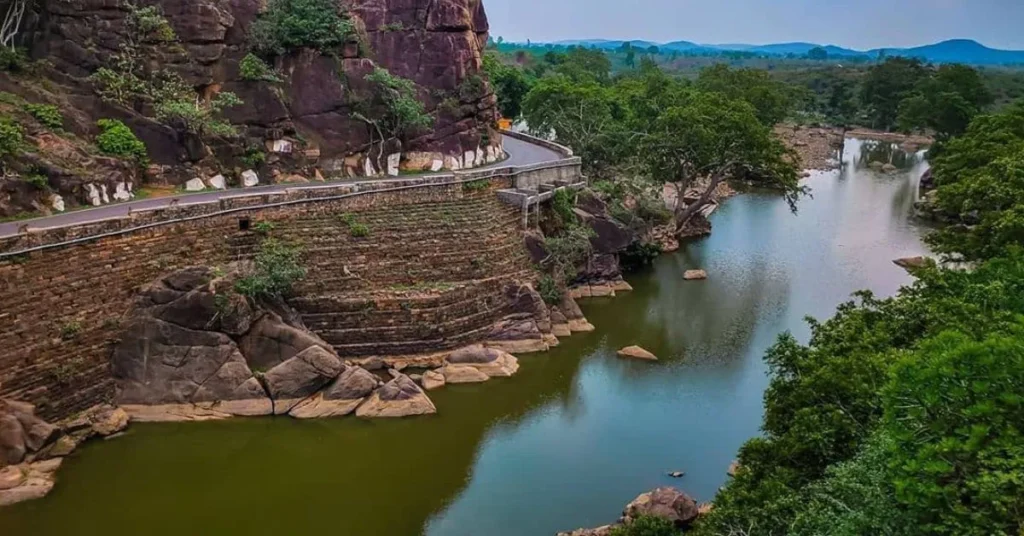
520	153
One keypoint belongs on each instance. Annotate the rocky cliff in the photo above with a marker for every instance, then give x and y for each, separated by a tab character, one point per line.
304	118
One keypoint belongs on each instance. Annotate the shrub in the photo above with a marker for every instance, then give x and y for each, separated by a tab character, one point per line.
12	59
476	186
275	268
254	157
563	204
549	290
263	227
253	68
47	114
638	255
568	251
292	24
646	526
402	112
116	139
359	230
37	180
70	330
198	117
11	137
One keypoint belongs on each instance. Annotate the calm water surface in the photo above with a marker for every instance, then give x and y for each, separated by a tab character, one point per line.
564	444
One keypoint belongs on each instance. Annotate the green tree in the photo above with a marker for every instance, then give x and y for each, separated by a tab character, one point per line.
510	84
771	99
981	185
885	87
817	54
291	24
955	409
946	101
393	112
583	64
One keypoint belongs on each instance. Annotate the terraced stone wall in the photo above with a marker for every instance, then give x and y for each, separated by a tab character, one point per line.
429	275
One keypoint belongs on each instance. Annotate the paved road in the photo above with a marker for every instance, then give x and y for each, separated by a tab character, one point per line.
520	153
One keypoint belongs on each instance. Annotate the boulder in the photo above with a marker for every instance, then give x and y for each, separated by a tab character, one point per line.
106	420
340	398
299	377
695	275
218	182
492	362
535	246
11	477
195	185
667	503
400	397
250	178
609	236
636	352
463	374
432	379
22	433
912	263
272	341
559	323
35	482
517	334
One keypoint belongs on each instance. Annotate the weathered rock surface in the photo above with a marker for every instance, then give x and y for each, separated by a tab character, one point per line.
305	120
400	397
518	334
463	374
492	362
667	503
19	483
433	379
695	275
636	352
22	433
912	263
340	398
190	349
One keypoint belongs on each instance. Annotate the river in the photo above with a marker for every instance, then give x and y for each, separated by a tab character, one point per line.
565	443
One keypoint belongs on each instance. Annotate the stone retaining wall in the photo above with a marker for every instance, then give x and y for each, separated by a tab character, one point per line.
63	291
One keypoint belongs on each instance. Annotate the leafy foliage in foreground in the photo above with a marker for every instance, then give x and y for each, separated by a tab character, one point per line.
116	139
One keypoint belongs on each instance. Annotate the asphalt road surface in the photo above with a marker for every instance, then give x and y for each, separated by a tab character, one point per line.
520	153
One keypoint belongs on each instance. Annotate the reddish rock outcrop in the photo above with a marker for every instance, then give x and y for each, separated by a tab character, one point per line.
305	121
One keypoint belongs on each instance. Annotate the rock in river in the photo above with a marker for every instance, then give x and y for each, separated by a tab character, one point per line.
666	503
463	374
432	379
400	397
695	275
340	398
492	362
636	352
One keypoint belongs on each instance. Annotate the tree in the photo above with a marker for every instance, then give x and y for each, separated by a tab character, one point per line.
885	87
818	54
394	111
955	409
946	101
770	98
980	178
580	115
709	135
12	22
510	84
290	24
585	63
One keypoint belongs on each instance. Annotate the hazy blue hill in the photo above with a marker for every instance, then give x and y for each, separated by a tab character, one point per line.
959	51
952	51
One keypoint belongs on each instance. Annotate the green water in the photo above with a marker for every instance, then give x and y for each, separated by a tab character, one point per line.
566	443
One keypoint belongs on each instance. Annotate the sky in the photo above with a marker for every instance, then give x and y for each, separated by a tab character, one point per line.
859	24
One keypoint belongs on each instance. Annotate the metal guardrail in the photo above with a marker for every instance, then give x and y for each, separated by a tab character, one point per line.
429	181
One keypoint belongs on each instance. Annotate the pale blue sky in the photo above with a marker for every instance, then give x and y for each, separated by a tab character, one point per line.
860	24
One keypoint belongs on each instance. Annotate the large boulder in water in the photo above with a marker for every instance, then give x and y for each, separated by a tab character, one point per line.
341	397
666	503
400	397
299	377
194	349
490	361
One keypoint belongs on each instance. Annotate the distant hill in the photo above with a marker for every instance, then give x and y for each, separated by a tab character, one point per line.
952	51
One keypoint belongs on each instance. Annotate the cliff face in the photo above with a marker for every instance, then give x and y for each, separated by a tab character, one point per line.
304	123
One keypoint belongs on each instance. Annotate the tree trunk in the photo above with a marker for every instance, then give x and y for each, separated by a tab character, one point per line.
685	214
